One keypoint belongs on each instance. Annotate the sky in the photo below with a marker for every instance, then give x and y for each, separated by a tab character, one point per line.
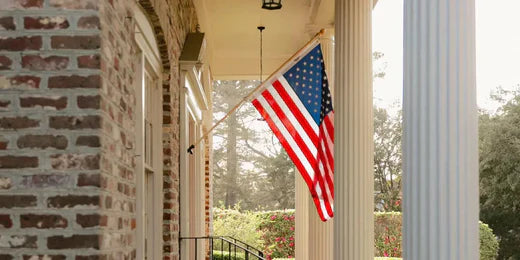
498	49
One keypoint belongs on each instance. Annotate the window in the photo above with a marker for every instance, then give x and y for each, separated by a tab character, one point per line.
148	141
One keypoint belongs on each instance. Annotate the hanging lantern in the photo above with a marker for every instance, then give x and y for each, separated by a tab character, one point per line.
272	4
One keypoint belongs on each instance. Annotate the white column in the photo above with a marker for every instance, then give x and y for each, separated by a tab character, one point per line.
353	177
321	234
302	203
440	131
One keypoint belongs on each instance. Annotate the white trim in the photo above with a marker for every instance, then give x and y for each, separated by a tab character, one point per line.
149	54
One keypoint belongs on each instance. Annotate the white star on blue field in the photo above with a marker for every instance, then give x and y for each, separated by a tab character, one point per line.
309	81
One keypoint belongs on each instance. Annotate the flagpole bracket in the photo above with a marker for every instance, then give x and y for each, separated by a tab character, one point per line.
190	149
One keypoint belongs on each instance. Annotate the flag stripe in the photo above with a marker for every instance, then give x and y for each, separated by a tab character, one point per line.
299	110
289	127
259	105
294	121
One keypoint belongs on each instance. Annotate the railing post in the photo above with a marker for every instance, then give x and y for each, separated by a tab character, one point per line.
229	251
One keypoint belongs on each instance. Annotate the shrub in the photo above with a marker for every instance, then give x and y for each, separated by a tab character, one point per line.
388	237
223	255
271	231
240	225
277	228
488	243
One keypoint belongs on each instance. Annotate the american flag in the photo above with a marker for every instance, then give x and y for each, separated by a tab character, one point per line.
297	105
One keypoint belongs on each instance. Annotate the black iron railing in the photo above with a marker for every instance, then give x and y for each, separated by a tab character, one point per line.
232	246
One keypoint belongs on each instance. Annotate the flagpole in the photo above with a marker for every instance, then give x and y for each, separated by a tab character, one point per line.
241	102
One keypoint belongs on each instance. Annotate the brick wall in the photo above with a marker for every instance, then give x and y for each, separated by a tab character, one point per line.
67	184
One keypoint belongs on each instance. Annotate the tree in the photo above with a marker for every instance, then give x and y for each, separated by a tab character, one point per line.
228	154
387	160
250	167
500	172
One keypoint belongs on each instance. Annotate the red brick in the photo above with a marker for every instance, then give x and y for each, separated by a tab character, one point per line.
47	23
39	63
75	161
93	180
5	221
89	22
74	122
74	241
91	42
89	140
92	220
42	141
18	162
5	63
92	81
21	43
75	4
25	82
92	257
17	201
89	62
5	103
7	24
18	241
92	102
18	122
44	257
42	221
57	103
71	201
18	4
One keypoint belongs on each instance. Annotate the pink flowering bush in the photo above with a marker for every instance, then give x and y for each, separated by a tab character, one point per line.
388	237
269	231
277	229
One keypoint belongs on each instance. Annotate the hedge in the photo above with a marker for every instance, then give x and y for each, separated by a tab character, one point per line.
273	232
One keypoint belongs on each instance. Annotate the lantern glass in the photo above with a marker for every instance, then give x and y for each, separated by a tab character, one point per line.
272	4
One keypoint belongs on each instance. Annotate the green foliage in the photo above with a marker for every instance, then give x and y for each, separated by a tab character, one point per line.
500	172
250	166
240	225
224	255
277	229
272	232
388	238
488	243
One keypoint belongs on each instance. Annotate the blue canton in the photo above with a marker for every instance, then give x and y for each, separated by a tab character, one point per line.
309	81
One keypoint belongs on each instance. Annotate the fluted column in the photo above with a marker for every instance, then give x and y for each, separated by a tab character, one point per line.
321	234
353	177
440	131
302	205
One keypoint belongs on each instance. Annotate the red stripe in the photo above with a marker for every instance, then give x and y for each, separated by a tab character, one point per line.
330	125
291	154
296	111
328	151
321	182
327	173
290	128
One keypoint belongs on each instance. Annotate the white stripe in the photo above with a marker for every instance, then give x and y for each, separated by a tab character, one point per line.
325	183
299	104
326	159
287	136
294	122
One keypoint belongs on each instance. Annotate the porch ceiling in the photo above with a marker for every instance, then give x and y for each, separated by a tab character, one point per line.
233	38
